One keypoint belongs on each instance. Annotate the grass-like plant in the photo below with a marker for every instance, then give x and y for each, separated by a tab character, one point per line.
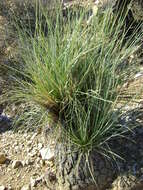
75	70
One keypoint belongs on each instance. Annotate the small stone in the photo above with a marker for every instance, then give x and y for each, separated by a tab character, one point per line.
2	187
37	166
39	179
33	182
35	174
47	154
25	135
2	158
42	162
29	162
28	149
21	146
26	187
30	155
23	163
33	137
16	148
15	144
29	143
38	160
16	164
40	146
49	176
138	75
34	152
28	137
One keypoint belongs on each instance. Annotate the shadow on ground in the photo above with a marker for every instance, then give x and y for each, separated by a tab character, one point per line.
130	148
5	124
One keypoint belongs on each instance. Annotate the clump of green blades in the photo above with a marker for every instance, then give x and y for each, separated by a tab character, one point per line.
75	71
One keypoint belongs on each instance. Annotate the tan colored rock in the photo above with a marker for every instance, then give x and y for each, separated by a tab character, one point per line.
2	158
17	164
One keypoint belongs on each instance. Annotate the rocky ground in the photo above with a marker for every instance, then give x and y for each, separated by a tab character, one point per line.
27	158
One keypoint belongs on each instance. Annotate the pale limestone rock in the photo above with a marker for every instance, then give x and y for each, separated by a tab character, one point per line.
47	154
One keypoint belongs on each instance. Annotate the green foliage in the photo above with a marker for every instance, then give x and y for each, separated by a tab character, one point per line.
75	70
